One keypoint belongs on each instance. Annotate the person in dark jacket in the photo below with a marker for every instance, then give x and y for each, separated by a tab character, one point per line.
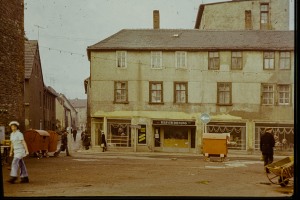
103	141
267	142
64	144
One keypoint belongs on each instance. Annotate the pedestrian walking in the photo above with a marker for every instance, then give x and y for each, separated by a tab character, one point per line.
19	149
74	134
64	144
103	142
267	143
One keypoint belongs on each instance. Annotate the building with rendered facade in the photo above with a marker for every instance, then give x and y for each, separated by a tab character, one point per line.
148	88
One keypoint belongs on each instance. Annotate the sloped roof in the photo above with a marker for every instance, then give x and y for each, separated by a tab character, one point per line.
194	40
52	91
30	51
78	103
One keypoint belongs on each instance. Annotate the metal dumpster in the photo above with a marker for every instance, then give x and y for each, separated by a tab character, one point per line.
36	140
53	140
215	144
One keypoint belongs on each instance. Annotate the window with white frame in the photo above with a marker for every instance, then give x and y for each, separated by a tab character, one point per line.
180	92
156	92
156	59
268	94
236	60
213	60
284	94
284	60
269	60
121	59
180	59
224	93
121	91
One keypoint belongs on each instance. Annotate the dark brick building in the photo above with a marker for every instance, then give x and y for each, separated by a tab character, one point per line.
12	63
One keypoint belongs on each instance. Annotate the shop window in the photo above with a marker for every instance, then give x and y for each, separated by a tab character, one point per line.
283	135
119	134
237	134
176	137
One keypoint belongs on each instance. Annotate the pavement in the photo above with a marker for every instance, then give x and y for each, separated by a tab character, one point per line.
76	148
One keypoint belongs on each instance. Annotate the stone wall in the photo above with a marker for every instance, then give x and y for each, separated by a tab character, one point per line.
12	63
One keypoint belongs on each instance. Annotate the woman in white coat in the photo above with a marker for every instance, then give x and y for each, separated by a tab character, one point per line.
19	149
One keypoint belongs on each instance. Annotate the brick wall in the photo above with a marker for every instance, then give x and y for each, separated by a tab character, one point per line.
12	62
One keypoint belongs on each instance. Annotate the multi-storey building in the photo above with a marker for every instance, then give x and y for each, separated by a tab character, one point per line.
244	15
148	88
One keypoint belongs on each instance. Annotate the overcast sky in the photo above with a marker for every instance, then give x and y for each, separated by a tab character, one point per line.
65	28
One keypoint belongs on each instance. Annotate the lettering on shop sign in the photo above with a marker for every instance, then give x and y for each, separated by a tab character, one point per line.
173	123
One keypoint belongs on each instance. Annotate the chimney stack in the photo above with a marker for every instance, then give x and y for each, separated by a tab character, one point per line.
155	19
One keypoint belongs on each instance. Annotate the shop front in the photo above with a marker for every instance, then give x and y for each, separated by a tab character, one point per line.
174	135
283	135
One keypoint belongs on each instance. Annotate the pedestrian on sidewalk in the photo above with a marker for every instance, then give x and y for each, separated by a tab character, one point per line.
64	144
267	143
74	134
103	142
19	149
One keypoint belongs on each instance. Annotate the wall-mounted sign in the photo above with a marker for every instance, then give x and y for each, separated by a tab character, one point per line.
205	118
173	123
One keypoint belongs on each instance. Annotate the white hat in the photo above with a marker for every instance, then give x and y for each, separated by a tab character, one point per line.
14	122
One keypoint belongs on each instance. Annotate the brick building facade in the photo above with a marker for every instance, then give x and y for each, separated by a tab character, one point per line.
12	63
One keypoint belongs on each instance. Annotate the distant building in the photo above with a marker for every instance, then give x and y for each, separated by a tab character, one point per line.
244	15
80	106
12	51
67	116
50	96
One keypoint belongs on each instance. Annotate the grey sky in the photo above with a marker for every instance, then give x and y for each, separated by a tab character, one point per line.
64	29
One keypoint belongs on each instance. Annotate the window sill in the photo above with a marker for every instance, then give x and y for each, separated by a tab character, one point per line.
154	103
224	104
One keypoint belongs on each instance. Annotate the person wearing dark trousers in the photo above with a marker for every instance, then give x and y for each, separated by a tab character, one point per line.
74	132
103	142
267	143
64	144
